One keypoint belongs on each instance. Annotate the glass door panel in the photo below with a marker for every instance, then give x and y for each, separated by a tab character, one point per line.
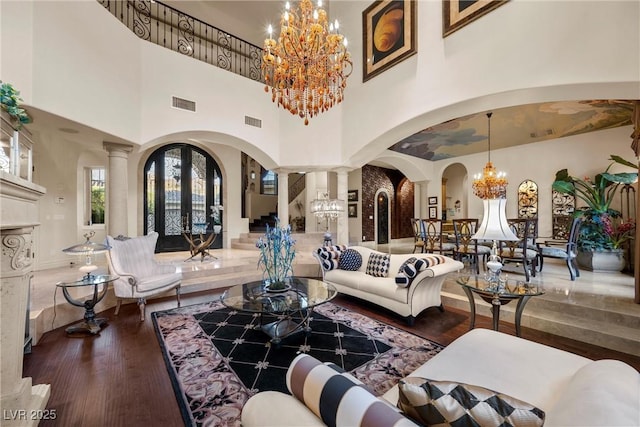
150	185
181	183
200	223
173	220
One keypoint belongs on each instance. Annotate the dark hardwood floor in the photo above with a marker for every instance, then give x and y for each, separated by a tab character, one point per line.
118	378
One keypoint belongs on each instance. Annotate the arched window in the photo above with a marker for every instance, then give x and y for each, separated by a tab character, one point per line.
182	184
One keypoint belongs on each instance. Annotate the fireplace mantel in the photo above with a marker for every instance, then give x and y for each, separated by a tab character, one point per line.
21	402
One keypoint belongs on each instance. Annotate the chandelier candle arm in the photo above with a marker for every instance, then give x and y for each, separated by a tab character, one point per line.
307	68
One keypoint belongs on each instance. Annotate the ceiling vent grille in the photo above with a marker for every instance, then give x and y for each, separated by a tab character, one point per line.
252	121
183	104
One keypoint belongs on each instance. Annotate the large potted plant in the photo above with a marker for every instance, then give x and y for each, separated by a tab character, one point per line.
603	232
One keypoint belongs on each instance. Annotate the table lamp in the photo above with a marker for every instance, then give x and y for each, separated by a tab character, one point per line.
494	227
87	249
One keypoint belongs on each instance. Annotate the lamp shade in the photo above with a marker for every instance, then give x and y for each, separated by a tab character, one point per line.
494	224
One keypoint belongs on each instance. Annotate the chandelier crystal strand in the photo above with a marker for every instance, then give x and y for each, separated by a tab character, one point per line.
491	184
307	68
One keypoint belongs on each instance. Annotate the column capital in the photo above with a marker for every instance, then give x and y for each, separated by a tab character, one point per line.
342	170
117	147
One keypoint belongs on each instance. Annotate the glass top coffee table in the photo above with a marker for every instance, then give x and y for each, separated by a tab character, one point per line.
291	308
497	295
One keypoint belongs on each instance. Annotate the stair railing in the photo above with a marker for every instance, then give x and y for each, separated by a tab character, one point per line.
167	27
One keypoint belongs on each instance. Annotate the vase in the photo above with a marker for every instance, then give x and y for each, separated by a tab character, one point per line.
611	260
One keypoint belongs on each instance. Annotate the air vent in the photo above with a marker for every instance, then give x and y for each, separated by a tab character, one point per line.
252	121
183	104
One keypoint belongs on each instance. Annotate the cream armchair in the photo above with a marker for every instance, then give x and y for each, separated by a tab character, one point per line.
140	276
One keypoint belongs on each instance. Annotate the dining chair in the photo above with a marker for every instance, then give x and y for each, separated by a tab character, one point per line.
418	235
434	241
524	250
565	250
466	246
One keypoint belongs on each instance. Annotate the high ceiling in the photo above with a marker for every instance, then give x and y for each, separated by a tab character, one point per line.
460	136
510	126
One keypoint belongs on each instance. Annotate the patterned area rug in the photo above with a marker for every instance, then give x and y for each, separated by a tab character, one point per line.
217	357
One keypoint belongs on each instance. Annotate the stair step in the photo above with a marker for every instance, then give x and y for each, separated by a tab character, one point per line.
614	328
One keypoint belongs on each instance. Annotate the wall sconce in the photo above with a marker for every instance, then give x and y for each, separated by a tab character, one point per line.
253	175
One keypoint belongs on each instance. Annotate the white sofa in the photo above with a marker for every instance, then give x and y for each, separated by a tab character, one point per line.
422	293
570	389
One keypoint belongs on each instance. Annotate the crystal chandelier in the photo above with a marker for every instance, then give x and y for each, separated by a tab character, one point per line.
307	67
327	208
491	184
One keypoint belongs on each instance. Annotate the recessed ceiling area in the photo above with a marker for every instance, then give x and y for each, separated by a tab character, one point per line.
511	126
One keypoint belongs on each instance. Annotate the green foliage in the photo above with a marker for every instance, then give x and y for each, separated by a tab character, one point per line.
598	193
10	101
600	226
97	205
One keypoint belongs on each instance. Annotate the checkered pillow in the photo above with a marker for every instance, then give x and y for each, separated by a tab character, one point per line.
378	265
350	260
450	403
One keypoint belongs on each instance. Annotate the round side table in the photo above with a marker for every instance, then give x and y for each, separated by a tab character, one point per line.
100	285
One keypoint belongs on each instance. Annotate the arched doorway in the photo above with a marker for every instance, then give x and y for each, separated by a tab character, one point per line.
382	209
181	184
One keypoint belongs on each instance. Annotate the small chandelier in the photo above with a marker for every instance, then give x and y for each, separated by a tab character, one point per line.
327	208
491	184
307	67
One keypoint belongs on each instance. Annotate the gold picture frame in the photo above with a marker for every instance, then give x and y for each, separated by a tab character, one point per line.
389	35
456	14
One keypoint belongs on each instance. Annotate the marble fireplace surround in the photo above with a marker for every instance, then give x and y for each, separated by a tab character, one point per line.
21	402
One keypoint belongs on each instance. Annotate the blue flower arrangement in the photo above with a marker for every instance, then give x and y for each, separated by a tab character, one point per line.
277	251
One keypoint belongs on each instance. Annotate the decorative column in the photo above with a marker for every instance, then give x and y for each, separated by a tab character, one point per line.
117	188
342	233
22	403
283	196
420	199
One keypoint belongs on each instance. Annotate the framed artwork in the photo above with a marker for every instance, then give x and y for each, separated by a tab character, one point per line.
352	195
458	13
389	35
433	200
433	212
353	210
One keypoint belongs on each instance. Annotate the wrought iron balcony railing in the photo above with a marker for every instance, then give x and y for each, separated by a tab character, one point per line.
161	24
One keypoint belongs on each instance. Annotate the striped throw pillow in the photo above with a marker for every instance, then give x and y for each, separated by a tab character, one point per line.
338	399
329	256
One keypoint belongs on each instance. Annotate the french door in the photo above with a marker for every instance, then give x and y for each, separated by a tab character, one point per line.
182	187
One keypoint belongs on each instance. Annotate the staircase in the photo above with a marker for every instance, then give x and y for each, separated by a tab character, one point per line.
260	225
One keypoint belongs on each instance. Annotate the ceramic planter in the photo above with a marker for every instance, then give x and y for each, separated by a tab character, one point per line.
602	261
